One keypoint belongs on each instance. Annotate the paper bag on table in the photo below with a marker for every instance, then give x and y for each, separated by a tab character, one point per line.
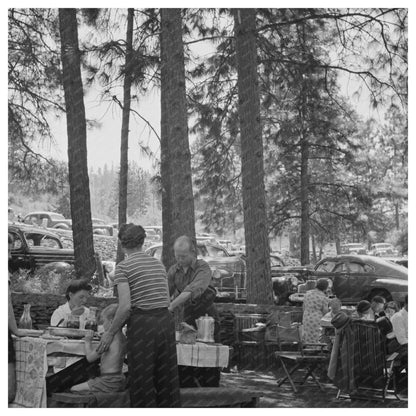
187	334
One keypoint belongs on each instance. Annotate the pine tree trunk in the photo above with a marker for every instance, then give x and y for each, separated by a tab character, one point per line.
124	146
313	248
259	285
77	145
304	200
178	216
397	216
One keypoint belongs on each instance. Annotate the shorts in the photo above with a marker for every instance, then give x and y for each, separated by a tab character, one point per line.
108	383
12	353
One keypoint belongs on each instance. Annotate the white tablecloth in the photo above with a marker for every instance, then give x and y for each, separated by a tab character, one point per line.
202	355
31	369
33	355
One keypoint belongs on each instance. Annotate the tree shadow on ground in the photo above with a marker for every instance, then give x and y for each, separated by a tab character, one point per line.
308	395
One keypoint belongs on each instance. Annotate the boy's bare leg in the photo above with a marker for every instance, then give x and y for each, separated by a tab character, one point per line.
81	387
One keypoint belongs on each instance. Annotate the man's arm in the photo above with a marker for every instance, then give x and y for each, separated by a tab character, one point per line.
124	304
200	282
182	298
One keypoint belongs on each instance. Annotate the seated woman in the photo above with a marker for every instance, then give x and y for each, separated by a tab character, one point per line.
315	306
77	294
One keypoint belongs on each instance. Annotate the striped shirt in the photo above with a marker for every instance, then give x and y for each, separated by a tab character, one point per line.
147	280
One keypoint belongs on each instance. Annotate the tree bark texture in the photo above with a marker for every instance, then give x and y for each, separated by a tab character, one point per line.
259	285
77	145
124	144
304	200
178	216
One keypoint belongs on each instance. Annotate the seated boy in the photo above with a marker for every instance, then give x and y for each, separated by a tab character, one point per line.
111	378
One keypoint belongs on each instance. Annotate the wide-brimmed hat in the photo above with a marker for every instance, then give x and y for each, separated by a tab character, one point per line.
340	320
363	306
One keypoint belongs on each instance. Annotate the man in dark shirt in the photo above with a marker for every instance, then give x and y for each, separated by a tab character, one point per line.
189	284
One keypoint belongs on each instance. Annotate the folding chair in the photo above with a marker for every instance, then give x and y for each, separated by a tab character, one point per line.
283	328
306	356
367	370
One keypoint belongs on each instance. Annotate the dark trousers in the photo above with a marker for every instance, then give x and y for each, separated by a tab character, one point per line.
152	361
76	373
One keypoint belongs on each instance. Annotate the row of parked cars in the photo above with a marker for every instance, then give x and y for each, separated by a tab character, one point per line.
376	249
59	222
353	276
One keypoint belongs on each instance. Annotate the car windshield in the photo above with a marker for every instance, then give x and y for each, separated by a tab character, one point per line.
38	239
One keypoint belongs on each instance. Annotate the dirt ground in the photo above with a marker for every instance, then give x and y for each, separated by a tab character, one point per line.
309	395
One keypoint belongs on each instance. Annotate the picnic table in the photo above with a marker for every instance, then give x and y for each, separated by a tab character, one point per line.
35	357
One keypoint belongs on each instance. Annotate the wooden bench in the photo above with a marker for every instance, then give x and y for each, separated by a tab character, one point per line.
190	397
219	397
87	399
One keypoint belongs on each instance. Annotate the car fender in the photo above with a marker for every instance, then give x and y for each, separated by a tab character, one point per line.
389	284
61	226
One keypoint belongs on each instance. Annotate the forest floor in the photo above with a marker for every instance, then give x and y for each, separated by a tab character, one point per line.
308	395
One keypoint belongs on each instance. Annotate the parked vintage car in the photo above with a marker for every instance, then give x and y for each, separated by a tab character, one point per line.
383	250
353	248
34	247
47	219
285	281
152	237
228	272
356	277
225	243
58	221
403	261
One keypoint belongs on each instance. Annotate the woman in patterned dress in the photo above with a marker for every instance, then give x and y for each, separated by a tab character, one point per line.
315	306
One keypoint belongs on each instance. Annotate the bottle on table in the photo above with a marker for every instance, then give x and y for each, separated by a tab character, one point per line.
73	321
91	321
25	321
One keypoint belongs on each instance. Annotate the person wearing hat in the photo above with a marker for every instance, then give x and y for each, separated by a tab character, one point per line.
77	294
363	311
143	300
315	306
